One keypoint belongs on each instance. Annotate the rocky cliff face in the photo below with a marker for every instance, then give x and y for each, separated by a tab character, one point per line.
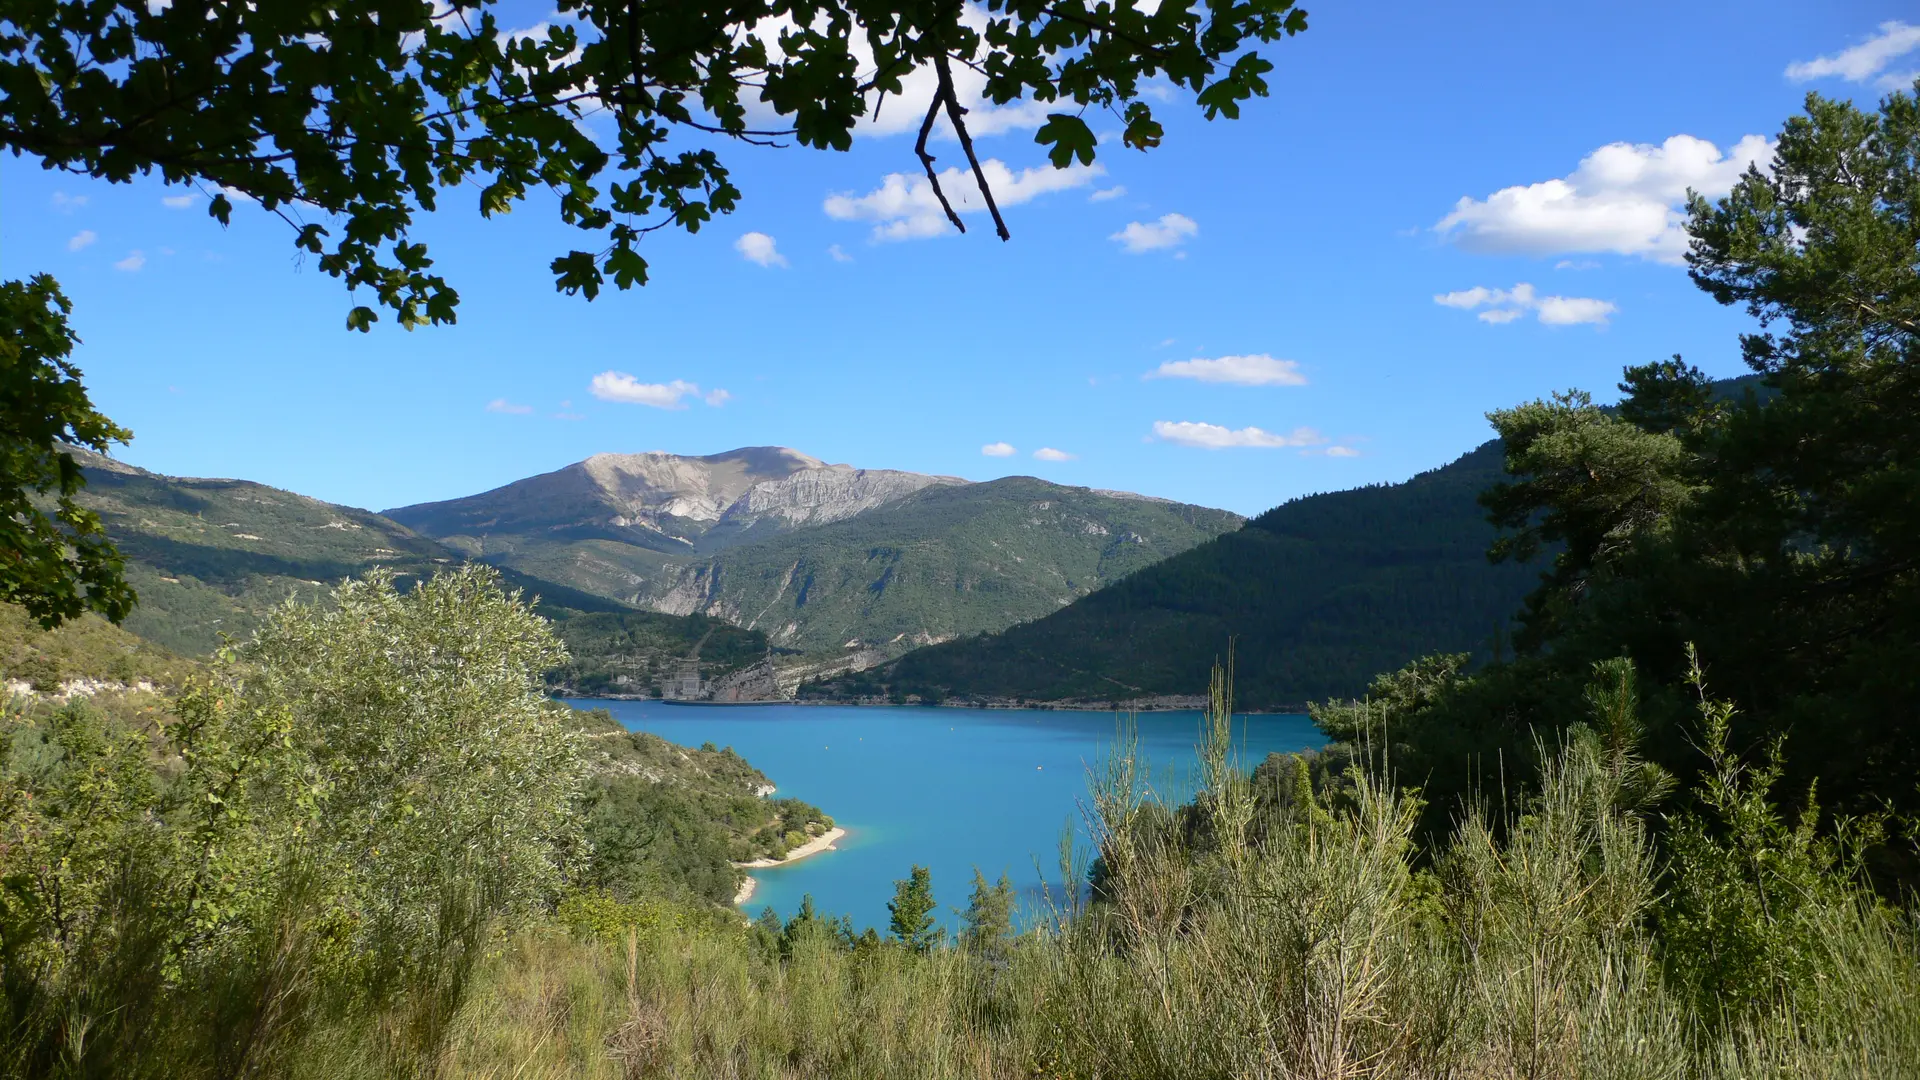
826	494
825	560
667	502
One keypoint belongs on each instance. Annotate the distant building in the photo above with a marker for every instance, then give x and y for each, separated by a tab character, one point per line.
686	683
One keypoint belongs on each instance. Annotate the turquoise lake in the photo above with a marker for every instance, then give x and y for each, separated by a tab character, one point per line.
950	789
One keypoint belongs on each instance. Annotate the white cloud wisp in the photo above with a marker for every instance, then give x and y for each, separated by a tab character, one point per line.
1506	305
1048	453
502	405
760	249
1170	231
998	449
621	387
1623	199
1866	60
1217	437
1257	369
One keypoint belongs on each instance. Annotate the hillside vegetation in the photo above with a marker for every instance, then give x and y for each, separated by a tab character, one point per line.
825	560
210	558
1314	596
87	649
670	821
633	653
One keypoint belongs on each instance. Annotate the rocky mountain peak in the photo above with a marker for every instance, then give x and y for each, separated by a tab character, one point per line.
695	488
676	498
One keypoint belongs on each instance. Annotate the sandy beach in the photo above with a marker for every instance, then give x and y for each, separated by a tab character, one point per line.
746	891
815	846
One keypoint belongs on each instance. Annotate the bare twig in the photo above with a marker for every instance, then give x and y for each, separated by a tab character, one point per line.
955	113
926	161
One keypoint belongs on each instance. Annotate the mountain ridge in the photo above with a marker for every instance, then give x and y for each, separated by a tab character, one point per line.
828	560
1313	597
670	502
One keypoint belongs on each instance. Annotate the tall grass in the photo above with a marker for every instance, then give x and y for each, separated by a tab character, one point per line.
1239	936
1312	946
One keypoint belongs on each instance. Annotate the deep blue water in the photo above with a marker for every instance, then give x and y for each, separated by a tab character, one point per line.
950	789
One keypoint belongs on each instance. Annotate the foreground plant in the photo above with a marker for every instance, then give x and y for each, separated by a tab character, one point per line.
332	823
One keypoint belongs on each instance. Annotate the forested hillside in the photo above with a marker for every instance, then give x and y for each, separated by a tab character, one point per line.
939	562
632	653
1316	596
209	557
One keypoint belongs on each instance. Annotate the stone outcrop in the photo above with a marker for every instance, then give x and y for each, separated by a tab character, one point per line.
670	502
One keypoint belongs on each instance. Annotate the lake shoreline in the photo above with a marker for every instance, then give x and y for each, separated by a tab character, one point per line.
823	842
949	790
1170	703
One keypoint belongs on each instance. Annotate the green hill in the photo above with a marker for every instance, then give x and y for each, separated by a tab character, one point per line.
844	566
672	820
1318	595
633	653
211	557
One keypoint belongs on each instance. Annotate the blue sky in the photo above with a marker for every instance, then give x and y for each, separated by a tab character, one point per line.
1297	301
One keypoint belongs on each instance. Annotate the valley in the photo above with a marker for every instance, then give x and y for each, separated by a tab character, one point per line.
765	574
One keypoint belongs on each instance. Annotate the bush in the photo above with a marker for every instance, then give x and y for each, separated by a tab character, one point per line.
331	823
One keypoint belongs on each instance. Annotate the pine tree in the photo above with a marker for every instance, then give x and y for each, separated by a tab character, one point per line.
912	912
988	921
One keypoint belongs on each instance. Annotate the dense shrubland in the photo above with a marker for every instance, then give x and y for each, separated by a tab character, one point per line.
1279	926
669	821
311	867
299	851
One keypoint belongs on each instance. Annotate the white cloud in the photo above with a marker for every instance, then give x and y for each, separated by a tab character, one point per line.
839	255
1342	451
82	239
502	405
622	387
1258	369
758	247
1171	230
1505	305
1216	437
1865	60
68	203
1048	453
903	113
179	202
1104	194
1574	310
1572	264
905	207
134	261
998	449
1621	199
716	398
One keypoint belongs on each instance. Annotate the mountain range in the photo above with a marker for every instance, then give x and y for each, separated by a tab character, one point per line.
776	569
843	565
766	564
1311	598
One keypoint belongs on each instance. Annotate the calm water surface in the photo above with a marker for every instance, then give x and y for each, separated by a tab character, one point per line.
950	789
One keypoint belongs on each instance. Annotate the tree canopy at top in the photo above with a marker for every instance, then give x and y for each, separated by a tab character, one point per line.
364	111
